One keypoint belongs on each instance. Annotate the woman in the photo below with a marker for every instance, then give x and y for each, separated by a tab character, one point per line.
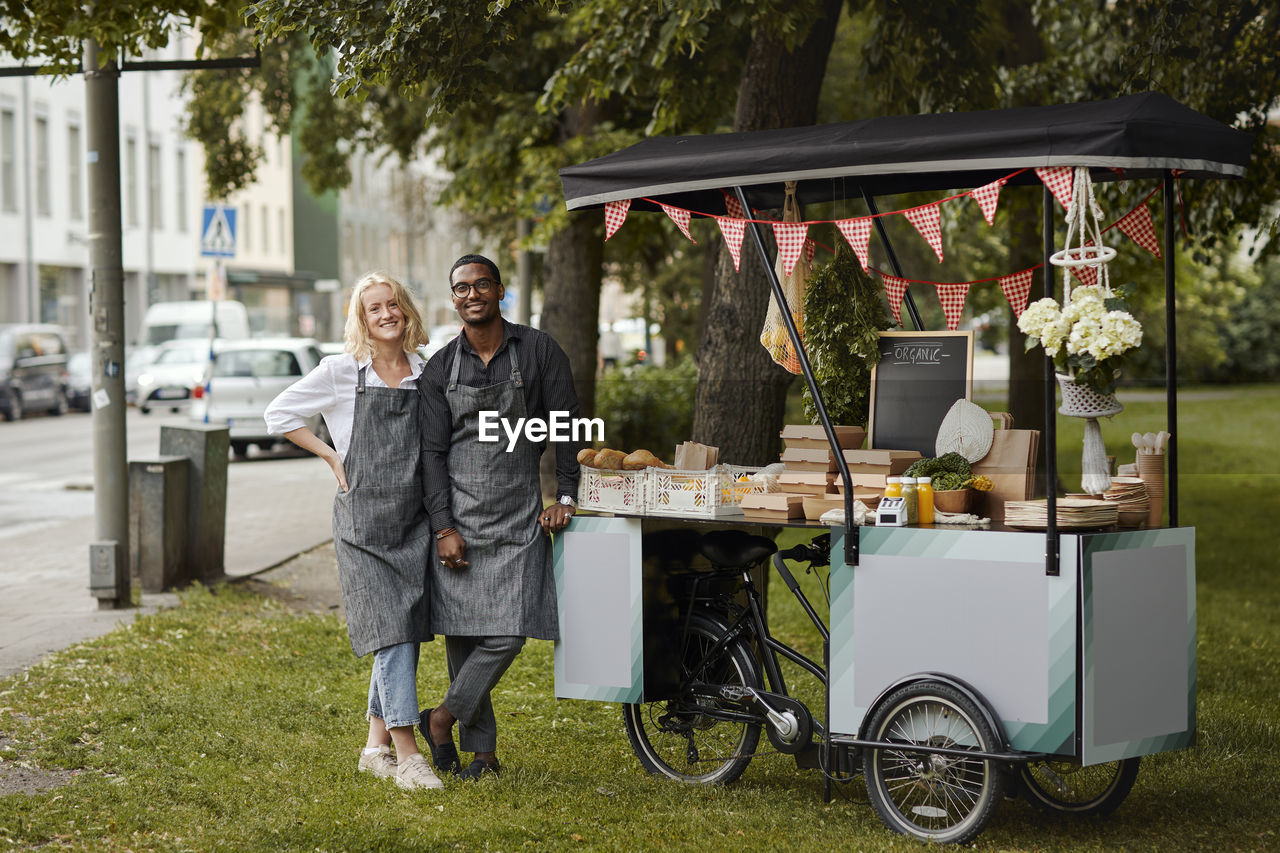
381	533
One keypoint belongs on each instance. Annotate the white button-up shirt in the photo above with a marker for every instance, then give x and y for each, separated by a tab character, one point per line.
330	390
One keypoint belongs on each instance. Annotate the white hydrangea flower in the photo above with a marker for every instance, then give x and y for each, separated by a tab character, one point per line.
1038	316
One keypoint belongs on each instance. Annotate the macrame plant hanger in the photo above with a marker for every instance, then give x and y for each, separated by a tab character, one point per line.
1084	218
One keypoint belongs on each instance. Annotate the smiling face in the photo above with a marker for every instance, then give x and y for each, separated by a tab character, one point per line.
383	319
476	308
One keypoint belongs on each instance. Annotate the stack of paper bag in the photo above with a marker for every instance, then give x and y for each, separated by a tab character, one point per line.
1011	465
692	456
772	506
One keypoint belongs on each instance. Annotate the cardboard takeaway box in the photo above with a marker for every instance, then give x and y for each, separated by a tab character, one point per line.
1011	465
814	437
888	463
807	482
813	461
772	507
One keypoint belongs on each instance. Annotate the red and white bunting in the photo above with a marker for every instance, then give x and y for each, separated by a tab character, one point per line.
895	288
680	217
1086	276
1137	225
732	229
791	239
810	249
858	233
733	207
928	221
952	297
1017	289
1059	180
988	197
615	213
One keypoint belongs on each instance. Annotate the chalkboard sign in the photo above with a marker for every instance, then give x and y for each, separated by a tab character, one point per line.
919	376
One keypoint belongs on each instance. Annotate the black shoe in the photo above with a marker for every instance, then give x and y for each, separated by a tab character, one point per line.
478	768
444	756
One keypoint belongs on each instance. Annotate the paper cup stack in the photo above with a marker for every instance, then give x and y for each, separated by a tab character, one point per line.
1129	494
1151	471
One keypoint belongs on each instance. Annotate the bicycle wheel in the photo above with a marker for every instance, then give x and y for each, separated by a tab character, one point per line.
935	797
1065	786
682	738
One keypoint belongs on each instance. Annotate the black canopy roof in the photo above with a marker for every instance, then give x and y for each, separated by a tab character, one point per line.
1141	134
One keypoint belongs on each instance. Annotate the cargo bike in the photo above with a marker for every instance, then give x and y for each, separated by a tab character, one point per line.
959	666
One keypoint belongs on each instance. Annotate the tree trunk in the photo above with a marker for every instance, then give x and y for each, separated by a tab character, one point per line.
571	298
741	392
1026	369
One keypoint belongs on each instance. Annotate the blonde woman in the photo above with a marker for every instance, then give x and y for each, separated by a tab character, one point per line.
381	532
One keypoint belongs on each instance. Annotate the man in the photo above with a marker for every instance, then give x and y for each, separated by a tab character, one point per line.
492	586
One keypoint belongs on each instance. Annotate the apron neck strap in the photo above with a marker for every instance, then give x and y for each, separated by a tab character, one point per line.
360	380
513	353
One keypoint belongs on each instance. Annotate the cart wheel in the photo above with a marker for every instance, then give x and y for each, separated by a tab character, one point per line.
682	738
935	797
1065	786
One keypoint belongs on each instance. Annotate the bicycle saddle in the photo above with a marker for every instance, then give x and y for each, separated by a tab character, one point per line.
733	548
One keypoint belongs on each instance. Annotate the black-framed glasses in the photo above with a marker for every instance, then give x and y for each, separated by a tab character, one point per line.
481	285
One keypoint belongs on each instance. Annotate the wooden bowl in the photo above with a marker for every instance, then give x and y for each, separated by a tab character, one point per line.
953	500
1132	518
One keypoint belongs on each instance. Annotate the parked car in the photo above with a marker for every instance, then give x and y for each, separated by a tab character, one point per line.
246	376
33	369
136	361
80	381
178	366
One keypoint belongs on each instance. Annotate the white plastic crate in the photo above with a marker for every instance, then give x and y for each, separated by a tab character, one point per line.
700	494
608	490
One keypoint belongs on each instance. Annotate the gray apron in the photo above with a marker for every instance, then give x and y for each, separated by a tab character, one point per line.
381	531
495	497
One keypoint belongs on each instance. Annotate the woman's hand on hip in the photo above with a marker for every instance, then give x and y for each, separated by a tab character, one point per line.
339	470
452	551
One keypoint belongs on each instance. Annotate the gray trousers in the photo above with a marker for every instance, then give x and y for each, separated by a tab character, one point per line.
475	665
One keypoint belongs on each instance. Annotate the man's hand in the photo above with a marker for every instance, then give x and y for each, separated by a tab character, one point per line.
555	518
452	551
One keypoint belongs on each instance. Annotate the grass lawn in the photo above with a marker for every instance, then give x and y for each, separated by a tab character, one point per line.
233	723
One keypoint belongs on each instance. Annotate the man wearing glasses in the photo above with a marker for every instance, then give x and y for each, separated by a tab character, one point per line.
492	584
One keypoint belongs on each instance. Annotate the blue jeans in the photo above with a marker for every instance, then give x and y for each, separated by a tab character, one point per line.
393	686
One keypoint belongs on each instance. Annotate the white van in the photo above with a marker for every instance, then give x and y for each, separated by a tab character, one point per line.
171	321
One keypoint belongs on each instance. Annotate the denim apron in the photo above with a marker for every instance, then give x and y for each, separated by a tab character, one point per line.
495	497
381	532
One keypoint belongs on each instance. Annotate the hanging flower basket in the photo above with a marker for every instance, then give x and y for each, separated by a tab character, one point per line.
1081	401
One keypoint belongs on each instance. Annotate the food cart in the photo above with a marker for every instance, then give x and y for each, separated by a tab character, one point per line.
959	665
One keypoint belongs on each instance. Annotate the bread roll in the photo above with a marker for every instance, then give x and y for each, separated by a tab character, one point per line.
610	459
638	459
587	456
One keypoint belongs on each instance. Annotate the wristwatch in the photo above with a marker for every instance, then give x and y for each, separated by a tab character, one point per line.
569	502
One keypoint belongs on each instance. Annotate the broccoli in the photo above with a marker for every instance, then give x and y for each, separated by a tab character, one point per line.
947	481
947	463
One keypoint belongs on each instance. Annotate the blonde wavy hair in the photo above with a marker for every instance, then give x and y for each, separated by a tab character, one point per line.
356	334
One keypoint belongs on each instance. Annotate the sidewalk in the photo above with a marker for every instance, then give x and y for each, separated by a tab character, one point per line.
277	509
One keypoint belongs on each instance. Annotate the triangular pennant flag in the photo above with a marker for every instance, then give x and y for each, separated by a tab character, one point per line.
1087	276
952	297
1059	180
928	221
857	232
732	206
680	217
1017	289
790	237
895	288
732	229
1138	226
988	196
810	249
615	213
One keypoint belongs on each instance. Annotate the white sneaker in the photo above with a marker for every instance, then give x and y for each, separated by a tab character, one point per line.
415	772
381	763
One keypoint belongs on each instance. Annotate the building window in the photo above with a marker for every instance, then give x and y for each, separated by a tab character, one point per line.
155	205
44	201
266	230
245	239
284	243
131	181
182	190
75	172
8	158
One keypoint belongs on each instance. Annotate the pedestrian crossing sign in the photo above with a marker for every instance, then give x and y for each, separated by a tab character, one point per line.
218	232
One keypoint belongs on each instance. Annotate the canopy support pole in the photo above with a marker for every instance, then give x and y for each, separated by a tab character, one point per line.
1170	351
851	534
1051	554
893	256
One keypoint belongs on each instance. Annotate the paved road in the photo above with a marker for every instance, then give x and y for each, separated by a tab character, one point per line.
278	505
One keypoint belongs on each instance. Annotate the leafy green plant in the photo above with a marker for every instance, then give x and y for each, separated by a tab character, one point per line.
844	313
647	406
